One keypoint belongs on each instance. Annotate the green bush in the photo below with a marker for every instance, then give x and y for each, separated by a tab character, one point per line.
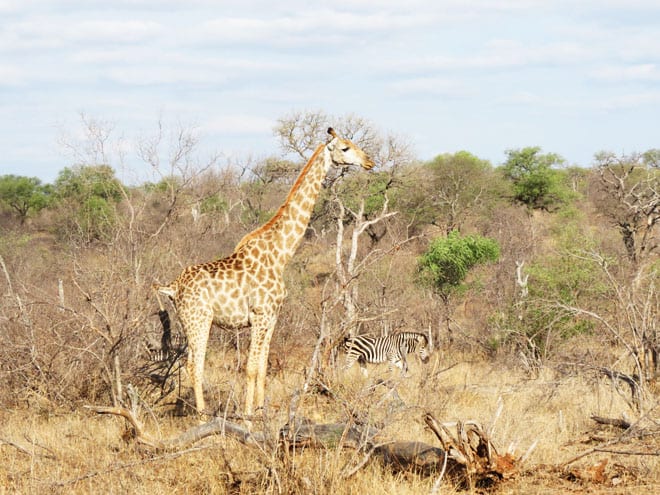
447	261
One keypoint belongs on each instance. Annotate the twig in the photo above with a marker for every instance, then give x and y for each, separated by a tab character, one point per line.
586	453
626	452
438	480
142	437
529	451
345	475
21	307
26	451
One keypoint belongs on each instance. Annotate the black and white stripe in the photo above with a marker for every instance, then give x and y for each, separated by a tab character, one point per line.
392	348
172	347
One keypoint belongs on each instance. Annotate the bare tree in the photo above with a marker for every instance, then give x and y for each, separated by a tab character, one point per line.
632	323
359	208
172	155
458	186
97	144
300	132
627	193
348	267
109	296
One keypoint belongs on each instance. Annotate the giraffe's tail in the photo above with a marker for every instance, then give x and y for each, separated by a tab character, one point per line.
168	290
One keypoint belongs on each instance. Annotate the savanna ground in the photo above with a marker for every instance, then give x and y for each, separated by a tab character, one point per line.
49	451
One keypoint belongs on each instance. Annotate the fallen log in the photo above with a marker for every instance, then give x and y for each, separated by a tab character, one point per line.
467	456
417	457
216	426
304	433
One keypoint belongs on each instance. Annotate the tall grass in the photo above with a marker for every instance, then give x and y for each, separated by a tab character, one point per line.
74	451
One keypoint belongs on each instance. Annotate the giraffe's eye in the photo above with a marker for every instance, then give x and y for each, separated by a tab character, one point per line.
345	149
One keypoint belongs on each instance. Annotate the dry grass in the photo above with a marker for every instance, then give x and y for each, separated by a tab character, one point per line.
42	451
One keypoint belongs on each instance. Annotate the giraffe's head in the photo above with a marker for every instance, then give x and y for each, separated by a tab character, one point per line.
344	152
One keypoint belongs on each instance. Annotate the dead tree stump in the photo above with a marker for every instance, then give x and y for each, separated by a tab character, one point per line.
472	459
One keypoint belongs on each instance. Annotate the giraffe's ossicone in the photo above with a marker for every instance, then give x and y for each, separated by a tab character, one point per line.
247	288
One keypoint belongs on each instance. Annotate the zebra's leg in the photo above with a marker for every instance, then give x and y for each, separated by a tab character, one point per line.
401	363
350	361
394	360
404	365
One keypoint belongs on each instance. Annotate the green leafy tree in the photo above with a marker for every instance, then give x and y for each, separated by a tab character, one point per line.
448	260
23	194
535	182
90	194
371	188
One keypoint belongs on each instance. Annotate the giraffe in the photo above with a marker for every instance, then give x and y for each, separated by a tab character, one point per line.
247	287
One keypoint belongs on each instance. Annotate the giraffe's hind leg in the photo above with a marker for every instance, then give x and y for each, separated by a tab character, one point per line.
197	333
257	363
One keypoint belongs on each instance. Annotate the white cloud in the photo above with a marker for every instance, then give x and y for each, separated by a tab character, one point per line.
316	27
501	63
56	32
649	72
631	101
433	86
10	75
239	124
522	98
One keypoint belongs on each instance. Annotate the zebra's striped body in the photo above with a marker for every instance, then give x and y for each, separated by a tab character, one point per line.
392	348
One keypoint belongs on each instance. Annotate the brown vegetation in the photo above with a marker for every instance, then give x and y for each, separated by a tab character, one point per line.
545	378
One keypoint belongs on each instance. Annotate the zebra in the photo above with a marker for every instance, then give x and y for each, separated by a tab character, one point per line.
392	348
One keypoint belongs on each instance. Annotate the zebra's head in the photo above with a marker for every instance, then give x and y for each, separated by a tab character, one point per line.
422	348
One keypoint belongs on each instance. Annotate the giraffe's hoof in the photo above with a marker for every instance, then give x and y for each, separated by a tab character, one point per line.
203	417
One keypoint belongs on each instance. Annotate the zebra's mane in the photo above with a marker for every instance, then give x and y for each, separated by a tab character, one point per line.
415	335
406	333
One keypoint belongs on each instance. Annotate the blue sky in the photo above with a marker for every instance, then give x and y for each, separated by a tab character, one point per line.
574	77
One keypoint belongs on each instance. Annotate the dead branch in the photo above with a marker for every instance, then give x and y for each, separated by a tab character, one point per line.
467	455
216	426
628	452
347	473
632	429
619	423
631	381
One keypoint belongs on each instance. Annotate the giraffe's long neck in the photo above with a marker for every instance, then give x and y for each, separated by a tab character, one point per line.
287	227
